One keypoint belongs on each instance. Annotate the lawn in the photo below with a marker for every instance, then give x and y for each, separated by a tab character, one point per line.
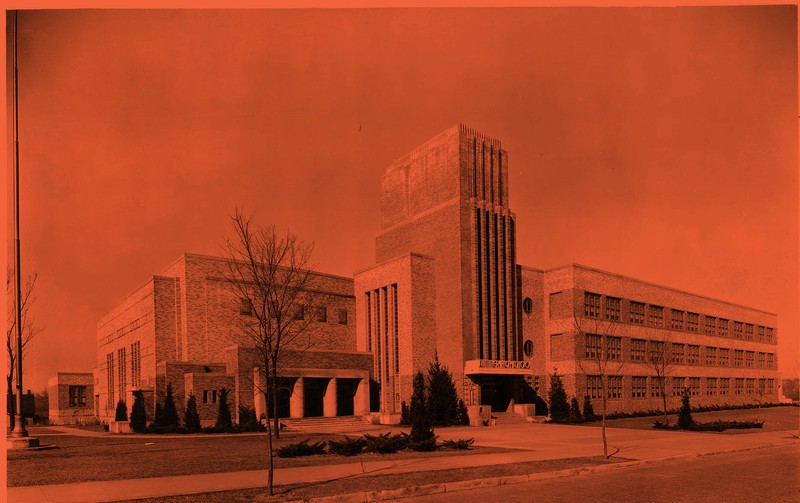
775	419
359	484
110	457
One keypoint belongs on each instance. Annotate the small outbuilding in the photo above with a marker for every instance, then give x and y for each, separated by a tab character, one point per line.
71	397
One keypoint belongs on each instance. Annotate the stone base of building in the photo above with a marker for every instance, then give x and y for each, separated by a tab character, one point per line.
17	443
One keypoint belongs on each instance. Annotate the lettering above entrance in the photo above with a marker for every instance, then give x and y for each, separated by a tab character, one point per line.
507	367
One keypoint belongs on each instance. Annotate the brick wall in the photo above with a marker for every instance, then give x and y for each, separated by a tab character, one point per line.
60	410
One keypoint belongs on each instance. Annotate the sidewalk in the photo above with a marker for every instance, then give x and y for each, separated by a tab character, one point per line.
536	442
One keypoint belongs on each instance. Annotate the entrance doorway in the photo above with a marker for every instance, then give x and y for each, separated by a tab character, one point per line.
345	396
313	394
497	391
284	391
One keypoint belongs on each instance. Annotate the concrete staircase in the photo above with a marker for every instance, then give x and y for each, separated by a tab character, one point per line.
323	424
503	418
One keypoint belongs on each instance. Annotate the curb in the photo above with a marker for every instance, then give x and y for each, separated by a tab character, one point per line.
464	485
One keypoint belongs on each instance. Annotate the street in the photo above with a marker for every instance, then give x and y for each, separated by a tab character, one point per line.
762	475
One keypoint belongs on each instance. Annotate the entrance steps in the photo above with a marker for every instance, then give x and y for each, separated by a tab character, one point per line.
323	424
502	418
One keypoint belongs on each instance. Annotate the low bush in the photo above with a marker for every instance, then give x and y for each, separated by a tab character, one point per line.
347	447
248	420
386	443
171	429
300	449
427	445
461	444
712	426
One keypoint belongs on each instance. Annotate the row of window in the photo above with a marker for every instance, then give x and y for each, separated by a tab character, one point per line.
675	386
641	350
640	313
121	377
320	313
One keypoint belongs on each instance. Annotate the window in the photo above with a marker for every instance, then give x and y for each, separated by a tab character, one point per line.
213	396
136	365
770	387
724	385
678	385
612	308
638	349
761	336
614	348
748	358
711	325
614	386
77	396
591	305
738	356
205	396
592	346
342	316
692	322
594	386
110	380
724	357
657	384
322	314
762	386
751	386
722	327
527	347
762	360
122	369
657	351
737	329
637	313
677	352
711	355
711	386
770	361
677	320
770	335
693	355
245	306
656	316
739	386
748	331
300	312
638	387
527	305
694	386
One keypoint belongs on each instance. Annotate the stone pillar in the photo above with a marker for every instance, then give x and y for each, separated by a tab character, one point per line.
259	402
329	400
296	400
361	398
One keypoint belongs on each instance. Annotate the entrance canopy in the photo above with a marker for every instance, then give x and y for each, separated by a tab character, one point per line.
497	367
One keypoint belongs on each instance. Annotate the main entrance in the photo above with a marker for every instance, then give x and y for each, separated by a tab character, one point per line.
499	382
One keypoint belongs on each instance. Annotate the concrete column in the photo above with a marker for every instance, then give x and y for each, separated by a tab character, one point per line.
296	400
361	398
329	400
259	402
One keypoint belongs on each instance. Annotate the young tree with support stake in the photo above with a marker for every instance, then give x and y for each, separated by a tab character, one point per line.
29	330
271	273
602	358
661	360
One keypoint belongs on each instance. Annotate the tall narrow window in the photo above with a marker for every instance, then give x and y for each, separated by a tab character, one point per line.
110	379
396	332
369	323
121	359
136	365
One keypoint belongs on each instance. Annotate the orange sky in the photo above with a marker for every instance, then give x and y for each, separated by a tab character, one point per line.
655	143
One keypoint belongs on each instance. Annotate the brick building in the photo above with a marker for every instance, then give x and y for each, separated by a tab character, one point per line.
446	282
183	328
71	398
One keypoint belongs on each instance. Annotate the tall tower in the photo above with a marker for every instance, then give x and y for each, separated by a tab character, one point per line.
447	201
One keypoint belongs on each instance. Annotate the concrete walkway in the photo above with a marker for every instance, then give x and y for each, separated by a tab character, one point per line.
534	441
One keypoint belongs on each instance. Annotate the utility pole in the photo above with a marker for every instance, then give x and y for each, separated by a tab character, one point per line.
19	438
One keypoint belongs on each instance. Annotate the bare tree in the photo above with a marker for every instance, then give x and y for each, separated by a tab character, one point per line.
601	361
29	330
661	360
272	275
